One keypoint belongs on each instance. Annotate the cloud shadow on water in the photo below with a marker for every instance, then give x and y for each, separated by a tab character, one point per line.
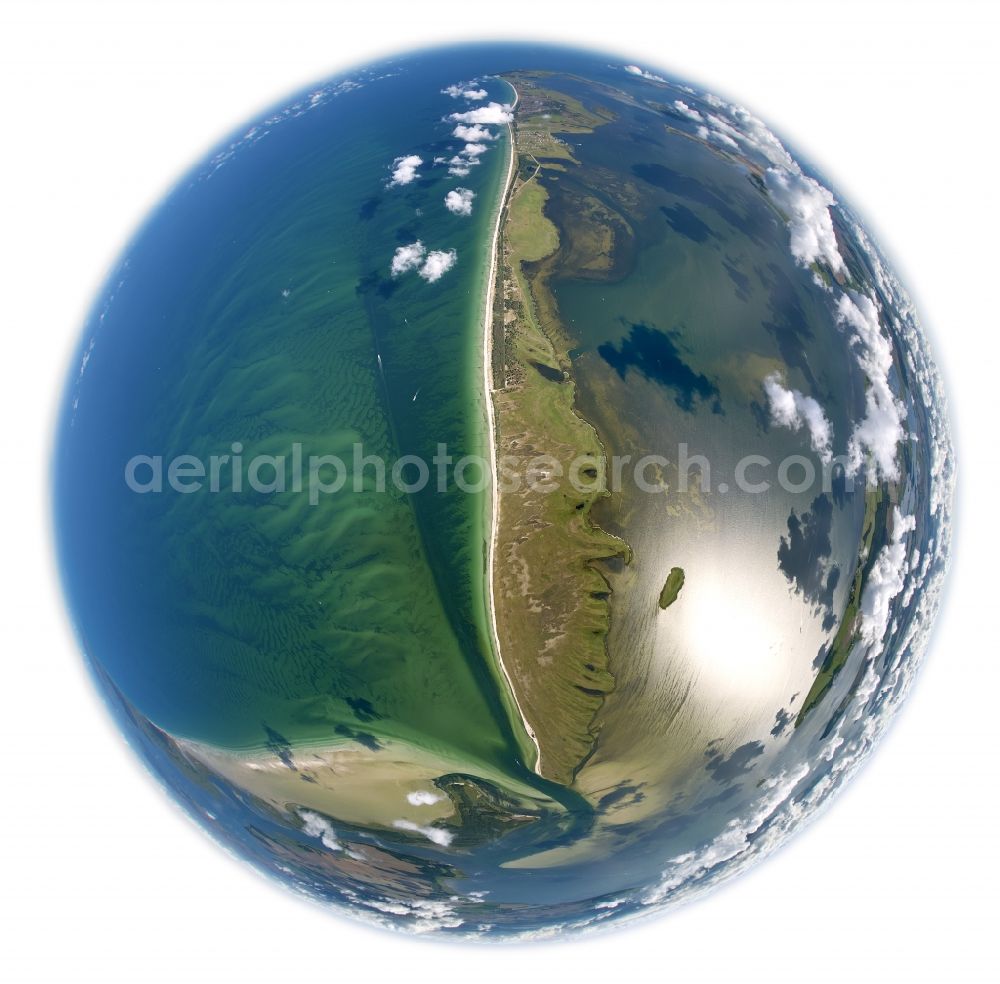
654	354
685	223
698	190
804	556
790	326
726	768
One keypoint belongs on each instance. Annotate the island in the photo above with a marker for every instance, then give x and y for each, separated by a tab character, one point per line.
672	587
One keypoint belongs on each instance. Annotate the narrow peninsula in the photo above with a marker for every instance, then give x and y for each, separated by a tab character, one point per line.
551	600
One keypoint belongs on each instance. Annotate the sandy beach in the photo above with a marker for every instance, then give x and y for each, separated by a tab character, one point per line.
491	428
355	784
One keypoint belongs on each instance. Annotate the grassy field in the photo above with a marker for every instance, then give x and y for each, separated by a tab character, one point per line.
530	235
552	601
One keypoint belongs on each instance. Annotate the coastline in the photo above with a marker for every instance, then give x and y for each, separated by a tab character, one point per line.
351	782
550	593
491	429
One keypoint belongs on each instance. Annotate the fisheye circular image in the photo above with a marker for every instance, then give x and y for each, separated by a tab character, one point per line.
503	491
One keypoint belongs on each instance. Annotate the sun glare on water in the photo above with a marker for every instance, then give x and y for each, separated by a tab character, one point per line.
733	638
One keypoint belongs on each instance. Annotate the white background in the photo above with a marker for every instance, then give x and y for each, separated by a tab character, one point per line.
104	104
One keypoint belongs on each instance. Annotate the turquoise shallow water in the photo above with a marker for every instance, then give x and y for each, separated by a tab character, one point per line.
256	306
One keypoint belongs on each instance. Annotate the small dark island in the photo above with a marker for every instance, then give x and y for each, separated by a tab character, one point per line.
672	587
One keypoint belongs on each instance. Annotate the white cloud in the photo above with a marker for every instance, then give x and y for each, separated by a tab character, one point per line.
871	704
723	138
318	826
428	916
737	128
807	205
407	258
793	798
489	115
465	159
881	429
736	839
435	834
792	409
759	136
926	380
431	266
465	90
437	264
885	580
459	201
404	169
723	129
635	70
423	797
298	108
477	137
86	357
473	134
805	202
685	110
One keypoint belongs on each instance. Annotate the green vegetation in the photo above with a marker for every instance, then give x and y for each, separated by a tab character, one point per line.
543	112
530	235
483	811
876	503
551	598
672	587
